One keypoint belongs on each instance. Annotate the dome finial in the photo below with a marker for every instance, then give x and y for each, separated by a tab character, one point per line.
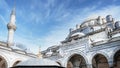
39	55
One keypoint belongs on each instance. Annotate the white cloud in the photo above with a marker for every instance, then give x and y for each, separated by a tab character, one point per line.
112	10
59	33
67	18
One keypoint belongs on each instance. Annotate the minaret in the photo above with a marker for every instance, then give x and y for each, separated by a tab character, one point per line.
39	55
11	28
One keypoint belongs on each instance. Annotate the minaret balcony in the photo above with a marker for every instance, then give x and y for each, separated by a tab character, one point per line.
11	26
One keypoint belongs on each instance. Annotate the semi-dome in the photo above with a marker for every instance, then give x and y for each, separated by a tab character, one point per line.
117	24
38	62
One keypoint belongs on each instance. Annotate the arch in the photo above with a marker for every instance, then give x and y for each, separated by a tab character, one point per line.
15	63
3	62
67	58
116	59
114	52
59	63
4	56
99	52
76	60
100	61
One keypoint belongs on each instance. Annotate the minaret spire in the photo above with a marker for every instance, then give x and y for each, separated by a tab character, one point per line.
14	8
11	27
13	11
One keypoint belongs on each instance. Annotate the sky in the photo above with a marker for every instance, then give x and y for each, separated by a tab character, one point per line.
44	23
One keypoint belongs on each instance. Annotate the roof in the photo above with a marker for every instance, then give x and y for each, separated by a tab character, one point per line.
38	62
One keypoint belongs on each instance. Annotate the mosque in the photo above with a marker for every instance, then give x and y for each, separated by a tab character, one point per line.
93	44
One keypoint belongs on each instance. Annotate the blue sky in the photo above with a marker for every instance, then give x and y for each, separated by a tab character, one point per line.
46	22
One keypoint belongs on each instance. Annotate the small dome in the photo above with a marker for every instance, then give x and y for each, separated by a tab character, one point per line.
38	62
109	18
77	26
80	34
70	30
99	20
117	24
92	22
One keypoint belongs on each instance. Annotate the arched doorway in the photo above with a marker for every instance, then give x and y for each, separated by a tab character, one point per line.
3	63
76	61
100	61
117	59
16	63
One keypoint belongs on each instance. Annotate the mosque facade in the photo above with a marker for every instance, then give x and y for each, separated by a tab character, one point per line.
93	44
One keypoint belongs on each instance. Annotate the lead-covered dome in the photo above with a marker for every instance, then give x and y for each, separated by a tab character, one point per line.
38	62
117	24
109	18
